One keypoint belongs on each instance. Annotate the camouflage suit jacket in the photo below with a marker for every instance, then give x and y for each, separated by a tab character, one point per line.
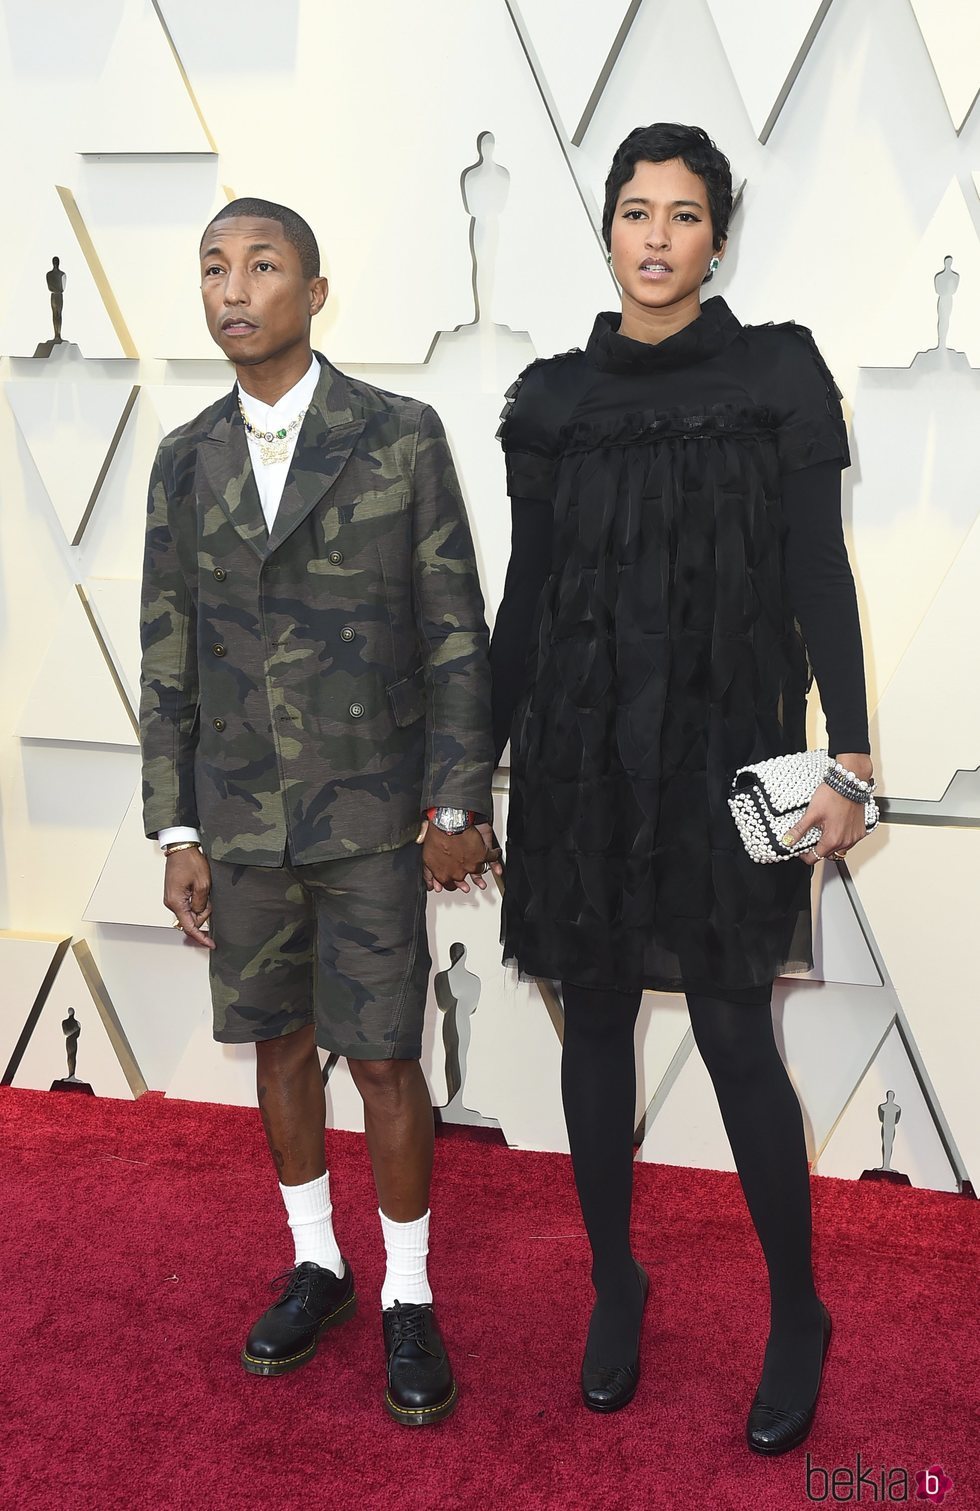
324	683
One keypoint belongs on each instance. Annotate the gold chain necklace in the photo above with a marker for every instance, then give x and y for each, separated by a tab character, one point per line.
273	444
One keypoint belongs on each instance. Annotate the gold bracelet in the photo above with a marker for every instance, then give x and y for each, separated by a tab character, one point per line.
184	844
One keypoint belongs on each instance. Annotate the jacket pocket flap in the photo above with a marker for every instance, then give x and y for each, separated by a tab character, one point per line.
408	697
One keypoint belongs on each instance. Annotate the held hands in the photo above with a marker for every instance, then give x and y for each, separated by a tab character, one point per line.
839	819
448	860
187	893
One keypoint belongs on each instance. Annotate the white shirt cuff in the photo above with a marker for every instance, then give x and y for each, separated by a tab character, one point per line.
175	836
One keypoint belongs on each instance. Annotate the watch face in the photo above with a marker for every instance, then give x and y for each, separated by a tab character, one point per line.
451	820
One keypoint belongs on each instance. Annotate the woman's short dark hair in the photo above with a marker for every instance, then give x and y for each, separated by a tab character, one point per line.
660	144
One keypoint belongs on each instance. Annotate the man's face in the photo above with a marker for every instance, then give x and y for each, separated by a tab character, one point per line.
257	300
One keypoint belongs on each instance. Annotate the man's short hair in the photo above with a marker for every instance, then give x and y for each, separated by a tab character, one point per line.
295	228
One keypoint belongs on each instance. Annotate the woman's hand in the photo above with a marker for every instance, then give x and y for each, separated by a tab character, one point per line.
839	819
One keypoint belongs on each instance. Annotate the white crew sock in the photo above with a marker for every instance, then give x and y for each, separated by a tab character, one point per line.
309	1212
406	1245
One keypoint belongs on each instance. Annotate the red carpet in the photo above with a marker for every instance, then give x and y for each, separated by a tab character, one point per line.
138	1240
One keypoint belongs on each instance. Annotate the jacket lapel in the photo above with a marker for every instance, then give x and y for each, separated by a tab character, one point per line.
326	439
228	469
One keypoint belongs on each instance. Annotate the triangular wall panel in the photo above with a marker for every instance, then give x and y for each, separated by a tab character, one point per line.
855	1143
86	321
175	404
141	103
766	44
951	32
72	428
150	255
104	1059
919	891
27	966
927	726
130	887
115	602
841	953
895	342
75	696
573	74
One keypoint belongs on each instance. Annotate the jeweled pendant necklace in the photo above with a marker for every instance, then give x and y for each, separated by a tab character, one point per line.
273	444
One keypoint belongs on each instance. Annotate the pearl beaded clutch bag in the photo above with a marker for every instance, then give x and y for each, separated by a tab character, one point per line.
772	796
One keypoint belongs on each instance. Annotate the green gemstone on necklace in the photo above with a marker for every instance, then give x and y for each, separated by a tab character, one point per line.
281	434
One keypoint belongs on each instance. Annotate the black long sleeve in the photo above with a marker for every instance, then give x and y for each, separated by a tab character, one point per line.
530	560
819	581
821	591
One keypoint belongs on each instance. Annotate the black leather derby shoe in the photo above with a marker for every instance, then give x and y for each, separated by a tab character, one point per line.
608	1388
311	1300
771	1431
421	1388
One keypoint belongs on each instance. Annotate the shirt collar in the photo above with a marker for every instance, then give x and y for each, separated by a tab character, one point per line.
288	407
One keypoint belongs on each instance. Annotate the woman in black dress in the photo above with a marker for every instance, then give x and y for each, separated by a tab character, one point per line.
677	566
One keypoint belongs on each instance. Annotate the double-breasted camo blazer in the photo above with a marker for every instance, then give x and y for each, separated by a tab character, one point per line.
322	684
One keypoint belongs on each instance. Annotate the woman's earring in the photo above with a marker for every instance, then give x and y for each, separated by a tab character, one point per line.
714	264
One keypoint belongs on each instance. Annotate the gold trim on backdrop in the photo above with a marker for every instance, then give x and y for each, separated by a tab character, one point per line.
107	654
183	74
107	463
98	271
110	1019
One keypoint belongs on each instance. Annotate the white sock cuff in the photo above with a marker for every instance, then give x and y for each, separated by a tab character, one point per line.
408	1238
309	1202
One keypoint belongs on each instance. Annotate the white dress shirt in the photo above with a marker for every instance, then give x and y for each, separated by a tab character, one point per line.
270	479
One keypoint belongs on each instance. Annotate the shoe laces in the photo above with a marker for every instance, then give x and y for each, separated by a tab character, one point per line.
410	1325
294	1282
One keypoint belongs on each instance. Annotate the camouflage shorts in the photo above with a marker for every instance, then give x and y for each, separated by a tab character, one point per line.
340	944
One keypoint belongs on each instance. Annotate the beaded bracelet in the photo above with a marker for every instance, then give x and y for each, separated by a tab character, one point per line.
846	784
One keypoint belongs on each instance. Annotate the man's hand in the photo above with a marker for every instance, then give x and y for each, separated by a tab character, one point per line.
448	859
187	893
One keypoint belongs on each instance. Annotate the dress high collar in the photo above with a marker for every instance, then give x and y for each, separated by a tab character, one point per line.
715	328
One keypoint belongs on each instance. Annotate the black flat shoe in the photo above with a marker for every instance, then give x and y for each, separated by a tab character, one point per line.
421	1389
610	1388
286	1336
770	1430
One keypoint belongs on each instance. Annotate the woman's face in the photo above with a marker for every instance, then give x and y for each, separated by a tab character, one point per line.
662	236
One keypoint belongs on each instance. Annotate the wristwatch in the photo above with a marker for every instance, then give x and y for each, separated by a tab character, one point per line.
450	820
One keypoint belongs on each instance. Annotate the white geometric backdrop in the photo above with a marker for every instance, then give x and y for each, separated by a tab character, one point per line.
451	158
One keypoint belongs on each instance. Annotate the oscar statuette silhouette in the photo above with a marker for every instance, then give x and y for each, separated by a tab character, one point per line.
71	1028
889	1114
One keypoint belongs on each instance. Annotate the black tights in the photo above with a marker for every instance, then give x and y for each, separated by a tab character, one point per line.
764	1124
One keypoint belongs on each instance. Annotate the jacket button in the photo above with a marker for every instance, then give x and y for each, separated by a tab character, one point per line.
219	724
357	710
347	633
335	558
218	650
219	574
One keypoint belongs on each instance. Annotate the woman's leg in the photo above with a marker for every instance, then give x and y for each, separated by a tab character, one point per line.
598	1085
762	1118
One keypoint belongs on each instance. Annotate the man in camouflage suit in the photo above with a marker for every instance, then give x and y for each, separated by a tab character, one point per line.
315	699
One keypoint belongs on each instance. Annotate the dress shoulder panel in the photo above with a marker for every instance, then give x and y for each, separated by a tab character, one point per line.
793	380
537	405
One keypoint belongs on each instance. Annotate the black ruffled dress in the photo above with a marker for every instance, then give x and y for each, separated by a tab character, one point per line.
665	651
